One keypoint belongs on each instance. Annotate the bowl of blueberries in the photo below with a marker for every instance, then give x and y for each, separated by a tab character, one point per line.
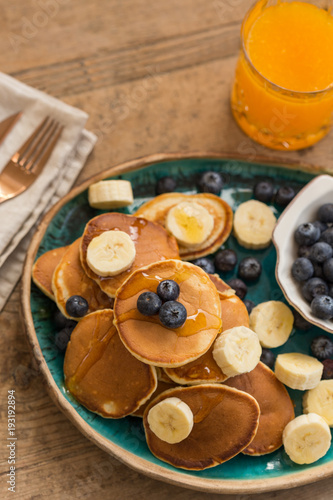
303	238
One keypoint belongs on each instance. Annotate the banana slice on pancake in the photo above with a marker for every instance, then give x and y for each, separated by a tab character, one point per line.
43	269
200	222
101	373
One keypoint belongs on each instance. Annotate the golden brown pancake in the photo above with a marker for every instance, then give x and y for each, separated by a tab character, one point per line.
157	209
204	369
146	337
100	372
44	267
70	279
152	243
219	283
276	407
225	422
161	387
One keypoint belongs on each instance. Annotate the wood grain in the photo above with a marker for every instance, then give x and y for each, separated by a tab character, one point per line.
154	77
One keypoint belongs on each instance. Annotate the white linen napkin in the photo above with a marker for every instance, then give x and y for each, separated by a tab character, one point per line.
19	215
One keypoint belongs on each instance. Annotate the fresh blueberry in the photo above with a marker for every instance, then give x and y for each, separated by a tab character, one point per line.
263	191
325	213
328	369
302	269
239	287
225	260
321	251
327	236
249	269
249	304
77	306
206	264
304	251
165	185
330	290
62	338
148	303
284	195
210	182
322	306
172	314
307	234
168	290
317	270
322	225
300	323
328	270
61	321
322	347
267	357
314	287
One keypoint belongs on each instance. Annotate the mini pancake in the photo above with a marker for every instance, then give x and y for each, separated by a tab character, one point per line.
146	337
44	267
225	422
204	369
276	407
70	279
219	283
152	243
157	209
100	372
161	387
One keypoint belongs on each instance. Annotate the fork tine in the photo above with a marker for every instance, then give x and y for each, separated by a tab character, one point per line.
39	146
26	146
46	153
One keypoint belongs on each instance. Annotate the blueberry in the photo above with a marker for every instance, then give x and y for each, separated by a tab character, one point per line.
77	306
322	225
284	195
267	357
148	303
304	251
328	270
302	269
172	314
322	306
263	191
321	251
62	338
314	287
168	290
210	182
327	236
225	260
307	234
328	369
249	269
317	270
300	323
239	287
325	213
330	290
322	347
165	185
206	264
249	304
61	321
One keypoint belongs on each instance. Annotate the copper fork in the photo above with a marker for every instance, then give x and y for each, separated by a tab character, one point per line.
27	163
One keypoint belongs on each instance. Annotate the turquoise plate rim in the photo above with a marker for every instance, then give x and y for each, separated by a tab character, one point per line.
137	463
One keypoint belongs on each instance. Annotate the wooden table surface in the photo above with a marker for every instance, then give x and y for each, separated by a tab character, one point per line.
154	76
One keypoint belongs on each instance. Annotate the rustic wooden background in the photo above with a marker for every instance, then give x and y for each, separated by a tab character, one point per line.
154	76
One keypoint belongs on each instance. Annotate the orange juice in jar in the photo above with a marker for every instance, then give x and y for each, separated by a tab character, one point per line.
283	91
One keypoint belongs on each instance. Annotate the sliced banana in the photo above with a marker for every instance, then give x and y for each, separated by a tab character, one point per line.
237	351
110	253
253	224
273	323
320	400
190	223
171	420
307	438
110	194
298	371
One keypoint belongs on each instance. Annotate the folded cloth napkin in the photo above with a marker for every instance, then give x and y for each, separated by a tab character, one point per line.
19	215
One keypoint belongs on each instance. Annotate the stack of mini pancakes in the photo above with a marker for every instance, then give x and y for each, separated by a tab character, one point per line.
119	362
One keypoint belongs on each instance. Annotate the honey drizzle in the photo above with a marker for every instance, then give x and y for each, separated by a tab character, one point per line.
207	406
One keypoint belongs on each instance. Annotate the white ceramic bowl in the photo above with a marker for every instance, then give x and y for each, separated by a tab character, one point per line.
302	209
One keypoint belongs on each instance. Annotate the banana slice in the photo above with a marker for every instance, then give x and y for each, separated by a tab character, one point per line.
171	420
110	253
298	371
320	400
307	438
110	194
237	351
190	223
253	224
273	322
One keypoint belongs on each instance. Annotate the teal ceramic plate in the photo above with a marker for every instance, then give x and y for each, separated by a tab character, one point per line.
124	438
